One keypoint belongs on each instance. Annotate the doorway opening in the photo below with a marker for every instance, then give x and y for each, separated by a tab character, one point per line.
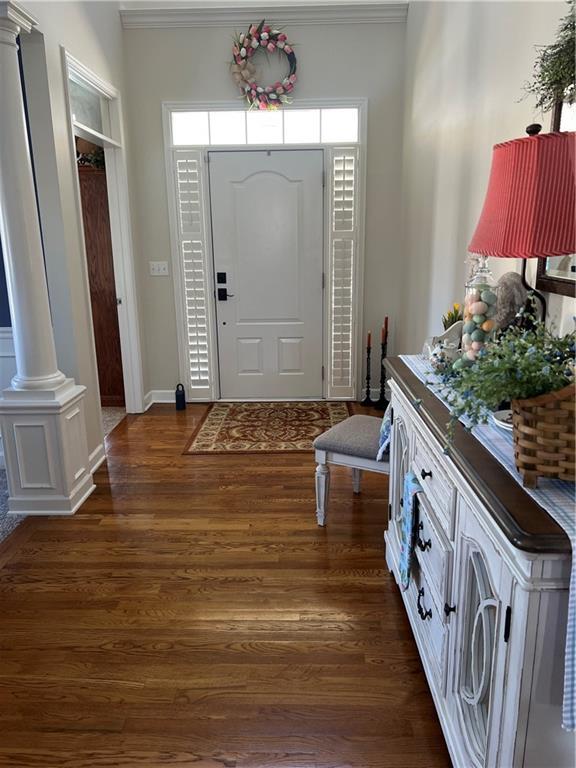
224	352
91	166
96	141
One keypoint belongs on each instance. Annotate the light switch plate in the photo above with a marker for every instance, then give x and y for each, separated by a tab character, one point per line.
158	268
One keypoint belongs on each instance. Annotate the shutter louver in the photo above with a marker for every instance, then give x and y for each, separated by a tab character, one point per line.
342	269
192	245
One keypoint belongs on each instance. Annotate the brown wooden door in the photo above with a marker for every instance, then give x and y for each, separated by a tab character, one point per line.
96	219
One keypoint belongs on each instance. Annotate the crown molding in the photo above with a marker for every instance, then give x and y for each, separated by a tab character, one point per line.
227	15
14	13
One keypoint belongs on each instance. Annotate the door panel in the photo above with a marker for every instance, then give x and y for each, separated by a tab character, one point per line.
267	223
98	240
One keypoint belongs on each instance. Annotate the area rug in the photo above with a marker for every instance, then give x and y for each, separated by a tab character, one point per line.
7	522
264	427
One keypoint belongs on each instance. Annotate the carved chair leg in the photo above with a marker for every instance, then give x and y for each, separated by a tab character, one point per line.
356	477
322	491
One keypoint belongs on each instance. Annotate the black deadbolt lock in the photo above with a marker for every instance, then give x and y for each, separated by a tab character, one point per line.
222	294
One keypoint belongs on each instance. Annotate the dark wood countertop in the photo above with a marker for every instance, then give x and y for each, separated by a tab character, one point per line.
524	522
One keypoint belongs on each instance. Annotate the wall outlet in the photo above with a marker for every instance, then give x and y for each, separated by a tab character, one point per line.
158	268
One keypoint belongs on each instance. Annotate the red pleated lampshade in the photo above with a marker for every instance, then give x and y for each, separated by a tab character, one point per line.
529	208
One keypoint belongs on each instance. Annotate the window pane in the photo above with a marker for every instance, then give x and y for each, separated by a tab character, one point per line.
301	126
190	128
339	125
85	105
264	127
227	127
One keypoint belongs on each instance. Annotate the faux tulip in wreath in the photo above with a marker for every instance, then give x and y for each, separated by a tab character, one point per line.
262	37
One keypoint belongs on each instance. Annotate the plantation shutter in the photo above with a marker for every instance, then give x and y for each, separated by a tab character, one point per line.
343	250
198	368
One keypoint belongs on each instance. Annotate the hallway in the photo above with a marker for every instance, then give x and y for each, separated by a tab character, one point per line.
192	613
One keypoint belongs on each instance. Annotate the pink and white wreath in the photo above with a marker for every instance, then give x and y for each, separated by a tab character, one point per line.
262	37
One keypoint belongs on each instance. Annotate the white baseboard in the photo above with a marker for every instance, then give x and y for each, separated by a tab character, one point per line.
96	458
38	506
167	396
158	396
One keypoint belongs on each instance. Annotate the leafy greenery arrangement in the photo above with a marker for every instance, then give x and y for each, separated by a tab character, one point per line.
452	316
553	79
519	364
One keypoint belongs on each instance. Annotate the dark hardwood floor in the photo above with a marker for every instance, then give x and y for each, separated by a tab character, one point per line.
193	614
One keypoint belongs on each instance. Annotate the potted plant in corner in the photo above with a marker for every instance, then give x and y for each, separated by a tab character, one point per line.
534	369
553	79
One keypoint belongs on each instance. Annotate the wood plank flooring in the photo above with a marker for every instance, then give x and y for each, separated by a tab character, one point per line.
193	614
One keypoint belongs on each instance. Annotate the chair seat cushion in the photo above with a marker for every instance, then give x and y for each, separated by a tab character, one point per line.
355	436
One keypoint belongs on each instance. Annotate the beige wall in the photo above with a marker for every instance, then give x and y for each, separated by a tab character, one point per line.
92	33
466	64
191	64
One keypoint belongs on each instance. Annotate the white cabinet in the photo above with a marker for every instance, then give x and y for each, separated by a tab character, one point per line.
488	617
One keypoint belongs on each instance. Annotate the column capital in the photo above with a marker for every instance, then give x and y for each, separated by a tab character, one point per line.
14	15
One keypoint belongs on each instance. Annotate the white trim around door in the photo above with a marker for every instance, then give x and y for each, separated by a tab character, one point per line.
192	262
112	140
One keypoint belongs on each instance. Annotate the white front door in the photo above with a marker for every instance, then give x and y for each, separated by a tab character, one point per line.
267	224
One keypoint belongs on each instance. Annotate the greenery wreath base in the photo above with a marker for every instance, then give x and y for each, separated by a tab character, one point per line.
262	37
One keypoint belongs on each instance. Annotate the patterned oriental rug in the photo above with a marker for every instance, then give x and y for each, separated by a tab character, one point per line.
264	427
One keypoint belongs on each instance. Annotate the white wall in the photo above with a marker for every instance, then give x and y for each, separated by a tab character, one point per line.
92	33
7	369
466	65
192	64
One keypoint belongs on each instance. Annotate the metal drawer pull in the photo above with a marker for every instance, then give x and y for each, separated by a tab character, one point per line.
424	474
423	545
424	614
448	609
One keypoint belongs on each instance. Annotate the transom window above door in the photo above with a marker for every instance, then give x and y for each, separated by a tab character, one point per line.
283	126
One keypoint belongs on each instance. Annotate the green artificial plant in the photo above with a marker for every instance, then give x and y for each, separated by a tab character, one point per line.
553	78
520	364
452	316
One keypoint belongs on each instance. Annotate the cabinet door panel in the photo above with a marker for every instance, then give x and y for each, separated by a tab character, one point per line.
399	466
479	617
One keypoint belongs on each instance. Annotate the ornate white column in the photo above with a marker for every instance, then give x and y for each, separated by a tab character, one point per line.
41	414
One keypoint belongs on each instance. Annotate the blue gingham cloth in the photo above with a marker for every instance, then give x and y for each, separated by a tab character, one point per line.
408	528
556	497
385	434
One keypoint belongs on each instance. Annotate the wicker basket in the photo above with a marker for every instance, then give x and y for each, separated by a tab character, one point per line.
544	436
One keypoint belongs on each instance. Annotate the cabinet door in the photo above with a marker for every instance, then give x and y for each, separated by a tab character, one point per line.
478	637
399	465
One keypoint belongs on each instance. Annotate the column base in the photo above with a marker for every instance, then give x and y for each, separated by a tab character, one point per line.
45	450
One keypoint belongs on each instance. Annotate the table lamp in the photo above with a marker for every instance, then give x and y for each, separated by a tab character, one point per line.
529	212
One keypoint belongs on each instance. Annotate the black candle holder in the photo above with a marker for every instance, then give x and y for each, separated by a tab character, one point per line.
368	400
382	402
